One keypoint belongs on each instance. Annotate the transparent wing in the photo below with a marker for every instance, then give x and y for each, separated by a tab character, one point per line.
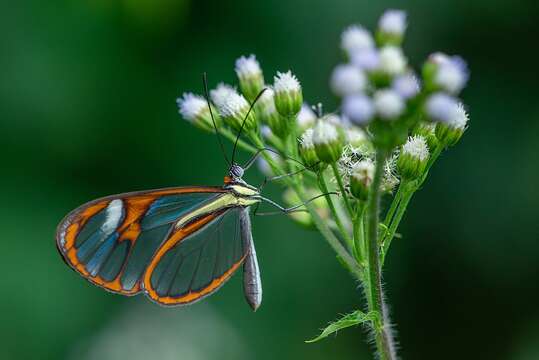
197	260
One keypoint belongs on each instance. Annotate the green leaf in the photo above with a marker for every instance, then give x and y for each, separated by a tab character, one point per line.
352	319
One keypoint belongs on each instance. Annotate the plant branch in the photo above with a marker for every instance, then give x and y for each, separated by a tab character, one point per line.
342	190
329	200
383	337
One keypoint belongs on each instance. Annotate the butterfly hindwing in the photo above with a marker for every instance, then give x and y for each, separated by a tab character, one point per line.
198	259
111	241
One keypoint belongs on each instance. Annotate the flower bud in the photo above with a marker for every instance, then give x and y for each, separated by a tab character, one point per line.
358	108
194	109
288	94
356	38
366	59
450	115
388	104
347	79
413	158
220	93
447	73
327	142
268	114
250	76
341	125
426	130
392	61
234	109
391	27
306	117
361	179
449	133
307	150
406	85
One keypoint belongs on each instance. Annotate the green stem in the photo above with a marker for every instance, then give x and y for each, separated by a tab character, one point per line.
393	207
409	188
342	190
383	337
329	200
359	241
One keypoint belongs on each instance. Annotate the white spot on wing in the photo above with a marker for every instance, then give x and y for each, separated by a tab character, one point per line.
114	215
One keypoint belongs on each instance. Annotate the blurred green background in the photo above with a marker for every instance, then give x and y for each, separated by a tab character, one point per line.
87	98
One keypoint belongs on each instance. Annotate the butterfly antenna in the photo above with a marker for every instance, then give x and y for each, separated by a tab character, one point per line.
219	139
244	121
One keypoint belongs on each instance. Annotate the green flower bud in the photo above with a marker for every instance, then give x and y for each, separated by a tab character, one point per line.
327	142
288	94
445	73
265	108
307	150
250	76
452	121
306	118
413	158
234	109
447	134
426	130
361	179
194	109
391	27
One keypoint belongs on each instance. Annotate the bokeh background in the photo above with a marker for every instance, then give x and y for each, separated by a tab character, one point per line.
87	99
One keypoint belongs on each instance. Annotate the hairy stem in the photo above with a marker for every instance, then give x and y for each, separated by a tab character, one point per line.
342	190
383	337
393	206
338	220
359	239
408	191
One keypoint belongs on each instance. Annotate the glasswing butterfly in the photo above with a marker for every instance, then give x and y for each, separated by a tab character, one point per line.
176	245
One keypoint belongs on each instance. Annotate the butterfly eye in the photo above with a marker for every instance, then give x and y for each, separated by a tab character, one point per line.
236	171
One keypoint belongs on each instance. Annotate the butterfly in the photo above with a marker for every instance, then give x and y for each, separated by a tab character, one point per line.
176	245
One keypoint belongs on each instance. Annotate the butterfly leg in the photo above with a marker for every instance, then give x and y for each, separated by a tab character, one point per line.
295	208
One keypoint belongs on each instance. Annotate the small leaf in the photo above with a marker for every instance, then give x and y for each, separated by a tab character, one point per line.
352	319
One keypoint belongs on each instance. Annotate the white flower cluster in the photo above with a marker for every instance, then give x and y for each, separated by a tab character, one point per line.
376	82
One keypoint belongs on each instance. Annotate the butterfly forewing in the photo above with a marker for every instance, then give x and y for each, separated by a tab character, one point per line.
112	240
